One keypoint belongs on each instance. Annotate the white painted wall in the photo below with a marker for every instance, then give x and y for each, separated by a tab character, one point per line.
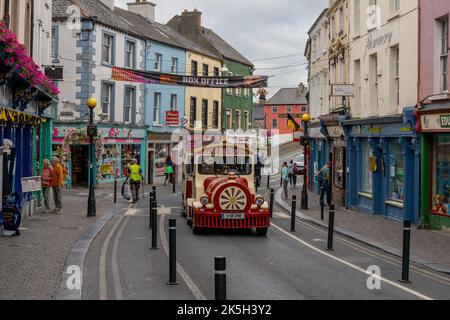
319	103
42	32
404	29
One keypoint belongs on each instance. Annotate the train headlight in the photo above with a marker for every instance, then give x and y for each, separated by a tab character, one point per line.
259	201
204	200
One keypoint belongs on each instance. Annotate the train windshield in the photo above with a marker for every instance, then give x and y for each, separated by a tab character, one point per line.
225	165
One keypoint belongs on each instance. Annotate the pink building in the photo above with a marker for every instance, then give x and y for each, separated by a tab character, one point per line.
434	113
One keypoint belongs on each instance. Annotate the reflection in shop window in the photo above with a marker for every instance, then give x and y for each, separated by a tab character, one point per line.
366	176
441	181
396	172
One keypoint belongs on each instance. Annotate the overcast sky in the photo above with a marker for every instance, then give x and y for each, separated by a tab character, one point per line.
258	29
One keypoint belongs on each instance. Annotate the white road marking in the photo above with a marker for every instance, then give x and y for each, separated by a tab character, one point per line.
103	293
131	212
392	283
184	275
115	263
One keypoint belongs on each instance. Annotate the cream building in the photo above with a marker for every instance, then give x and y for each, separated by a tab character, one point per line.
382	146
203	105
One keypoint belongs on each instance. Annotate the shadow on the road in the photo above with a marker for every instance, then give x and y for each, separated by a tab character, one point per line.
227	232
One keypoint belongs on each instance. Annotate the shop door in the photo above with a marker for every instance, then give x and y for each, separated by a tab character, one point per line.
80	166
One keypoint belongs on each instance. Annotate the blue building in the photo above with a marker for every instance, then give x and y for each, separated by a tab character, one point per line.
164	104
383	156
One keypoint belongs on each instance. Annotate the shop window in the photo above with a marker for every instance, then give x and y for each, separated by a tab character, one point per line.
441	181
110	163
396	172
366	174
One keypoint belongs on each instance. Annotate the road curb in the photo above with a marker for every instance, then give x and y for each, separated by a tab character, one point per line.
360	238
78	253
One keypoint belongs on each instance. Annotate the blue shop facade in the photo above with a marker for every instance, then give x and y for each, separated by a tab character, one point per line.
319	154
383	165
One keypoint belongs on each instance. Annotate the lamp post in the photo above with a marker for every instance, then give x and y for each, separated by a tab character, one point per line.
91	132
305	143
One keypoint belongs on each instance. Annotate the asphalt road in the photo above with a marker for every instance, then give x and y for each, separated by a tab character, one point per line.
280	266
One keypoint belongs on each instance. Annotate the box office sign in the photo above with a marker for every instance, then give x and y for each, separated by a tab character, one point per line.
435	122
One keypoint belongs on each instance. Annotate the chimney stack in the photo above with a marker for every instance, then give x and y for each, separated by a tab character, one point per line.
301	88
144	8
192	21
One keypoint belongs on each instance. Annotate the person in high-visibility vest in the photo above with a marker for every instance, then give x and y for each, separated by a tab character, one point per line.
135	180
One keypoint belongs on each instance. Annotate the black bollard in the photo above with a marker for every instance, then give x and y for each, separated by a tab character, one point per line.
115	190
293	210
173	184
155	226
272	194
172	252
406	248
220	278
154	193
150	208
330	228
322	208
268	181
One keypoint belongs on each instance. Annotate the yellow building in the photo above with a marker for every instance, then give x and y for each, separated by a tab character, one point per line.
203	106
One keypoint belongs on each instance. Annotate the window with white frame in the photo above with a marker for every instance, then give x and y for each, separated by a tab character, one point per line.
289	109
107	95
229	91
395	7
274	124
174	66
130	54
108	43
205	70
374	82
194	68
443	54
216	114
238	120
205	113
274	109
158	61
341	20
229	119
246	120
332	28
128	104
173	102
396	75
157	108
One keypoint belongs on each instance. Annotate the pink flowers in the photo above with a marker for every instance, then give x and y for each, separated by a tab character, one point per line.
14	54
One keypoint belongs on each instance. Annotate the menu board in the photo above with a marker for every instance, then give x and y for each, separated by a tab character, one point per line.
31	184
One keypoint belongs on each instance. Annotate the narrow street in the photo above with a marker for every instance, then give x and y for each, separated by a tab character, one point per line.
281	266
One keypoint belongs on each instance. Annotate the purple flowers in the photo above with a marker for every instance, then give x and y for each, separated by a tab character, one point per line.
14	54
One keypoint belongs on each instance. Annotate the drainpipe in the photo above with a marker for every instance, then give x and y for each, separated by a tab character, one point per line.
32	30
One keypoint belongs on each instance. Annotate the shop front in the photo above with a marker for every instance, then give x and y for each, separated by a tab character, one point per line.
434	127
160	146
115	147
336	143
383	166
318	154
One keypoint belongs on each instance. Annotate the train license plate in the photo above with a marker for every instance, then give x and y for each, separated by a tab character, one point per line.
233	216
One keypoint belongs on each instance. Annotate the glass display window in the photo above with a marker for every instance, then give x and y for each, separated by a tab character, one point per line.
110	163
441	179
366	172
339	167
129	153
396	171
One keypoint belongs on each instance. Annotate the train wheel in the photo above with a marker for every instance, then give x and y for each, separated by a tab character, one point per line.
195	230
261	232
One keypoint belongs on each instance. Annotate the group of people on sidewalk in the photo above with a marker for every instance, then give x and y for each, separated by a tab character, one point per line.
289	175
52	179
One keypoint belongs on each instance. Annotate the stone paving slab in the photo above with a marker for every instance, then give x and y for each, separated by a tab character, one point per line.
31	264
428	247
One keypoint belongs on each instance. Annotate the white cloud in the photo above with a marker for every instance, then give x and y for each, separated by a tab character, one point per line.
257	29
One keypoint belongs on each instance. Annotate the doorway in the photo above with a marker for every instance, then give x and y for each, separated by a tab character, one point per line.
80	166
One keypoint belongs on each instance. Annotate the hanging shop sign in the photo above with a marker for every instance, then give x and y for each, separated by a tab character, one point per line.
335	132
149	77
435	122
342	90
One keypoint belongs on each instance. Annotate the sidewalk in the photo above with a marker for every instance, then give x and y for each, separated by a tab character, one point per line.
31	264
428	247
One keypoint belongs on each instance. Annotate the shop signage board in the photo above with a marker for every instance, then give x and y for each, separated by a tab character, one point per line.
172	118
342	90
31	184
370	130
435	122
335	132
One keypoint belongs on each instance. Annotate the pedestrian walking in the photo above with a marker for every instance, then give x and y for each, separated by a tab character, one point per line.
46	183
135	179
294	175
57	184
285	178
168	170
290	168
324	179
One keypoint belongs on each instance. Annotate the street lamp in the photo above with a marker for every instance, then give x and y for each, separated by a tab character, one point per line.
91	133
305	143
